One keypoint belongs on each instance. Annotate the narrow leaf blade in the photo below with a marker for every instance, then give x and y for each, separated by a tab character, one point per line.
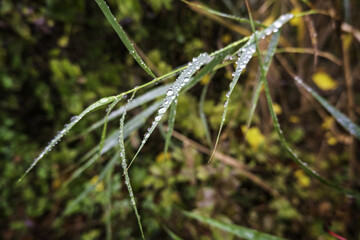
238	231
124	38
341	118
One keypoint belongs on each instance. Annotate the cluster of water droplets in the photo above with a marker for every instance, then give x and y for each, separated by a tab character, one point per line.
124	162
174	90
275	26
244	56
248	50
122	154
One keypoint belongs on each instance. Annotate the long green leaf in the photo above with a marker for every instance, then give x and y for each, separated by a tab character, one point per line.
108	205
202	114
74	120
269	55
293	156
172	235
238	231
124	166
171	123
124	38
220	14
343	120
103	135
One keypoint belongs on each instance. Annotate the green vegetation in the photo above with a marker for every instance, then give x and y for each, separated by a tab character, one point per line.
201	153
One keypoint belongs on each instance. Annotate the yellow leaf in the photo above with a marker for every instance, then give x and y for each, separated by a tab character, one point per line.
100	186
324	81
295	21
254	137
161	157
294	119
332	141
226	38
328	123
205	80
302	179
277	108
63	41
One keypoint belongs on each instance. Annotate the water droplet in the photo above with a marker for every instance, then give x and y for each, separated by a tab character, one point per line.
162	110
169	93
277	24
158	118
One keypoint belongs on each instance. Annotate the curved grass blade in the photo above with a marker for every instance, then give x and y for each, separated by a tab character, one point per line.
112	140
124	166
172	93
237	230
170	128
293	156
220	14
124	38
103	135
341	118
172	235
74	120
247	52
269	55
202	114
108	206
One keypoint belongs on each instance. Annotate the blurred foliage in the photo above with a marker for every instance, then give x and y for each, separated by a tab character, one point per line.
58	57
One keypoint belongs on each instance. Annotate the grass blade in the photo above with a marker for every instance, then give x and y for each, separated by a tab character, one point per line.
341	118
103	135
108	206
172	235
220	14
124	38
248	51
269	55
170	128
202	115
74	120
124	166
278	130
238	231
